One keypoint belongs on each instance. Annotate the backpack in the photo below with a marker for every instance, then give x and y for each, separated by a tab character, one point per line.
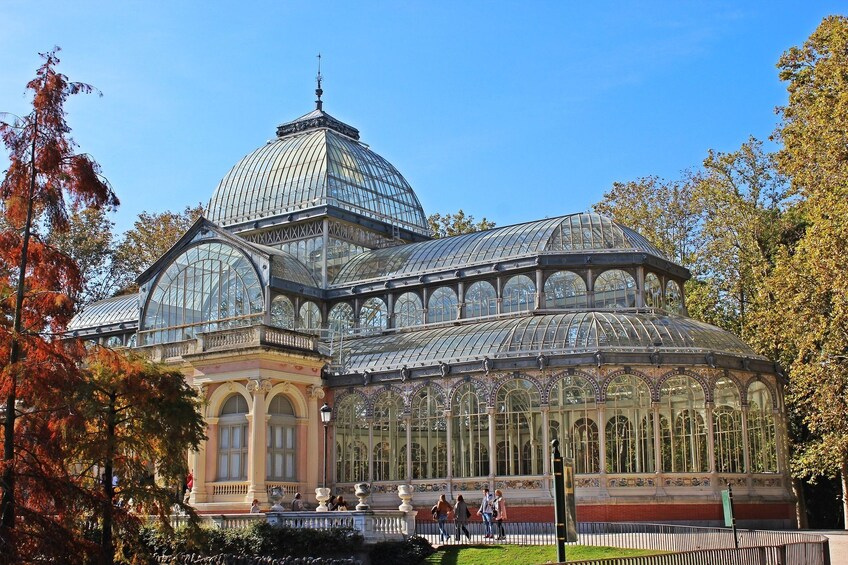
435	511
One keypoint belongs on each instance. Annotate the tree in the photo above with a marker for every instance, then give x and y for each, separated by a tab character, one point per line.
43	171
90	244
456	224
663	211
151	236
806	323
124	439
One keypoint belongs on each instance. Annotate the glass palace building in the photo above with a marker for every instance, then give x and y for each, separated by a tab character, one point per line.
451	363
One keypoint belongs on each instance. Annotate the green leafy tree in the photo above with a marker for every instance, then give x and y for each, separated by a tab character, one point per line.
89	242
152	234
806	322
661	210
456	224
123	438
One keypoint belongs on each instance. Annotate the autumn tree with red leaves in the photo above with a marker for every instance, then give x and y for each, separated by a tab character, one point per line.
46	178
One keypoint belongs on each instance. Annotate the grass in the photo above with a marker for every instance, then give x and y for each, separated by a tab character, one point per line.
525	554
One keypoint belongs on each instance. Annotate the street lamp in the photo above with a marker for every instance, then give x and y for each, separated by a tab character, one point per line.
326	416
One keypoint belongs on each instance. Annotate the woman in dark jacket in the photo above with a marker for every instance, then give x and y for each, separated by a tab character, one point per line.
461	514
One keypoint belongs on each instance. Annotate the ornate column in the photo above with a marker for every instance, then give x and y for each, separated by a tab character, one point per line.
540	292
256	447
408	419
640	287
709	407
546	440
211	471
493	462
746	454
460	300
602	444
780	443
449	434
655	414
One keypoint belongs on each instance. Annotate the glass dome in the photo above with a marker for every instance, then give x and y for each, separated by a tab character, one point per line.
316	161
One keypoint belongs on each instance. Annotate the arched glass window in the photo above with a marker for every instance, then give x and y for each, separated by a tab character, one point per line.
409	311
519	294
114	341
310	316
442	305
351	428
341	318
373	315
281	435
761	436
573	420
517	421
232	440
282	312
653	291
419	461
429	430
629	426
470	433
208	287
389	435
565	289
480	300
683	431
727	428
673	302
615	289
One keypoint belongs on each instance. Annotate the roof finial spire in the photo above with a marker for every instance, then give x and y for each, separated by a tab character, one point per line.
319	104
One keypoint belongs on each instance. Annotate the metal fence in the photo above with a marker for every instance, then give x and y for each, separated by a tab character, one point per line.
685	544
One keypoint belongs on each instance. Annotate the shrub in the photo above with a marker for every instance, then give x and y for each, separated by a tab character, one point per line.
411	551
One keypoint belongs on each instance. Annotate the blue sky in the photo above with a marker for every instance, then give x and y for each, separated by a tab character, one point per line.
510	110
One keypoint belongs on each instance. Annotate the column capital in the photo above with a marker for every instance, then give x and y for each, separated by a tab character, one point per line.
259	386
315	391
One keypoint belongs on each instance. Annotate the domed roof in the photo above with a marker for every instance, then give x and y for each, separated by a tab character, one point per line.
316	160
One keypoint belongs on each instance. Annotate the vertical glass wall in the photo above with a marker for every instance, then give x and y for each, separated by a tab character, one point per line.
208	287
389	430
470	434
409	311
519	294
429	435
282	312
683	431
653	291
373	316
761	435
727	428
351	432
565	289
517	421
629	426
481	300
615	289
573	421
442	305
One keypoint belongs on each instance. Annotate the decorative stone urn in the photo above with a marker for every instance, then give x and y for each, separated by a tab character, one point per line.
362	492
405	494
322	495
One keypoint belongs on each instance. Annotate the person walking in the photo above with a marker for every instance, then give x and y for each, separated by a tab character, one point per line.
441	511
499	513
485	512
461	514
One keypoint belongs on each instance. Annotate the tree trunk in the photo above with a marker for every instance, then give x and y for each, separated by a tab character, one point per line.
7	504
800	504
843	476
107	552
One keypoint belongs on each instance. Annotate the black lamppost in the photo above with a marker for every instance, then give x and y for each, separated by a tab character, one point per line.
326	416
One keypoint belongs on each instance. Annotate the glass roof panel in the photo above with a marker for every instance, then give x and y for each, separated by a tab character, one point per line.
116	310
575	233
574	332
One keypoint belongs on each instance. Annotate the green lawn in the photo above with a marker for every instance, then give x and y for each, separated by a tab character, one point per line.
524	554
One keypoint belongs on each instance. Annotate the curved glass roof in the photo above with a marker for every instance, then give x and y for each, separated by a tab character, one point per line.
576	232
578	332
287	267
116	310
312	164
